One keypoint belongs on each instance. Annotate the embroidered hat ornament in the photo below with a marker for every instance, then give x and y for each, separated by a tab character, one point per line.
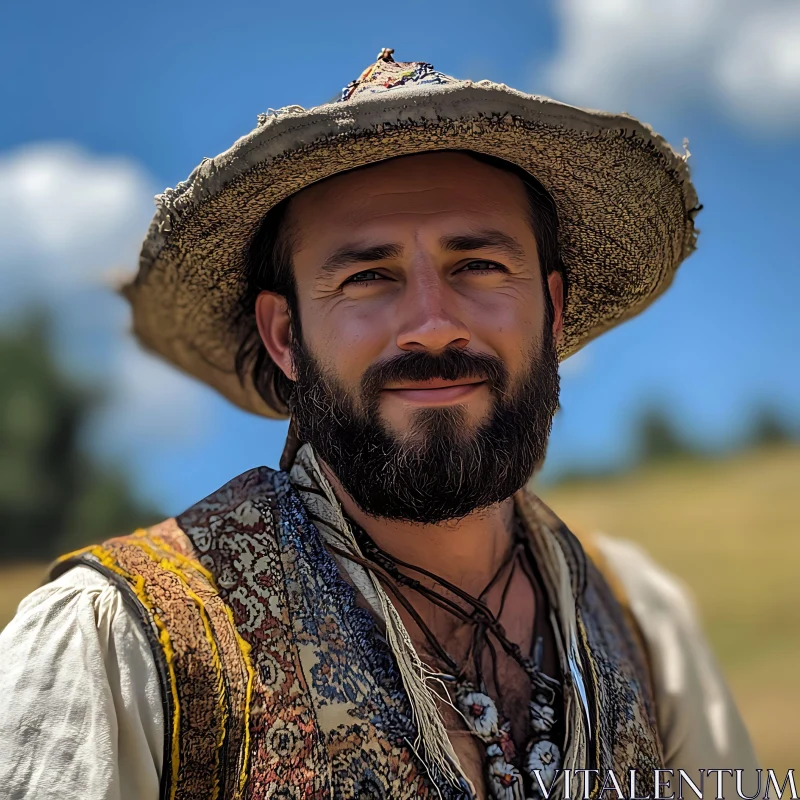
625	202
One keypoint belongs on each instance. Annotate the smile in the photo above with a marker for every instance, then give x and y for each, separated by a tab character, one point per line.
435	393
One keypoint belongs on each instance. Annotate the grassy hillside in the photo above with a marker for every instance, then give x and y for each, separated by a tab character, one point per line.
731	530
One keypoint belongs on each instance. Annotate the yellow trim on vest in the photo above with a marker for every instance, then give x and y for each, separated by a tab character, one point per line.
107	560
169	566
251	676
177	555
137	584
82	551
244	648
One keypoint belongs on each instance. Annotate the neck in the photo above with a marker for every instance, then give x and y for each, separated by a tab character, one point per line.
467	552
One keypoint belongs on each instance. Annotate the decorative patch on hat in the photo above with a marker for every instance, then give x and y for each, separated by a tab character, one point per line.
386	74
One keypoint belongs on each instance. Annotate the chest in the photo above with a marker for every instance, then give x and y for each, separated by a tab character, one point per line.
328	713
471	750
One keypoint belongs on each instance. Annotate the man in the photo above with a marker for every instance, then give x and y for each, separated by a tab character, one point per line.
393	613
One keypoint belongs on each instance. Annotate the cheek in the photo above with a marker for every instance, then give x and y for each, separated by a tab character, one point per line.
510	324
347	341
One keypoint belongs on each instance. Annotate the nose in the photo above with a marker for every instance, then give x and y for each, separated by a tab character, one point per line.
429	316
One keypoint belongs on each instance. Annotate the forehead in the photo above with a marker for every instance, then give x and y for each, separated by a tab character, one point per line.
413	190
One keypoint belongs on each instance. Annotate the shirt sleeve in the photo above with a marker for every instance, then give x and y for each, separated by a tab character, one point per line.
699	724
80	700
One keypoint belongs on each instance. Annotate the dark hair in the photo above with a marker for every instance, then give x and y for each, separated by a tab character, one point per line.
268	266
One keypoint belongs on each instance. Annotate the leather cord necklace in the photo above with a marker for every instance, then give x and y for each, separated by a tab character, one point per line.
506	779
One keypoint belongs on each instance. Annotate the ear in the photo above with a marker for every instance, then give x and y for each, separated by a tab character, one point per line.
272	318
556	285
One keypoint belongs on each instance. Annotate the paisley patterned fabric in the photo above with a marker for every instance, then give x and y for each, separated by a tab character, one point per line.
387	74
278	684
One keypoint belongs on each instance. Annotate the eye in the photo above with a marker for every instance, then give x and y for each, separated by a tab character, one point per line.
482	267
363	277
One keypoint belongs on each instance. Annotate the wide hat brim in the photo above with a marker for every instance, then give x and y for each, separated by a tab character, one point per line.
625	204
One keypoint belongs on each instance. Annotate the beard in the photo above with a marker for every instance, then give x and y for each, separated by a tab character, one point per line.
443	467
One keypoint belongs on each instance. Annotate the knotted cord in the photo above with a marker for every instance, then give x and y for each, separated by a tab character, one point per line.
479	615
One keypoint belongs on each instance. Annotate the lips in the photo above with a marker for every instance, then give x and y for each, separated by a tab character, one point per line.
435	392
433	384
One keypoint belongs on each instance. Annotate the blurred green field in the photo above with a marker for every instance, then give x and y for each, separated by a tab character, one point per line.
731	529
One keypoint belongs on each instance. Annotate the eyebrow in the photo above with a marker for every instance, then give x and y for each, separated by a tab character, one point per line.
489	239
348	255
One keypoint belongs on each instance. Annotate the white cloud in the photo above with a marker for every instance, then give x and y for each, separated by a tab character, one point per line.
65	216
68	219
759	70
646	57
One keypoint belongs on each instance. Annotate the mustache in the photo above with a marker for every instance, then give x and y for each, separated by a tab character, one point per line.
451	364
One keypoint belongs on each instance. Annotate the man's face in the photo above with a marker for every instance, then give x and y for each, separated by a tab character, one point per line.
425	369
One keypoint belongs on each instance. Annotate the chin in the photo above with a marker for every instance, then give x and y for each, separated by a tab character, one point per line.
419	423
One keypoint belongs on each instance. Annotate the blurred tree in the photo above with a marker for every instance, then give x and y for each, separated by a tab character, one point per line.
53	496
769	428
657	438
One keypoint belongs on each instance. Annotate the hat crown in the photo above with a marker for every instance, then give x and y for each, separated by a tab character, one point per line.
387	74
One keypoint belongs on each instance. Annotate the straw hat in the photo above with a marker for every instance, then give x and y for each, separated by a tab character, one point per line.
625	203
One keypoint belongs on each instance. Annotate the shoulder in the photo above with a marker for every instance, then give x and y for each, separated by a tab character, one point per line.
77	598
79	617
697	716
232	499
79	622
82	676
80	701
649	590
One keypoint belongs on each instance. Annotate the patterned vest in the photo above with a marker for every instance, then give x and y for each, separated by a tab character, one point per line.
275	683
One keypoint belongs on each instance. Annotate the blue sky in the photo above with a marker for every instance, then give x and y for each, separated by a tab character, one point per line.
106	104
